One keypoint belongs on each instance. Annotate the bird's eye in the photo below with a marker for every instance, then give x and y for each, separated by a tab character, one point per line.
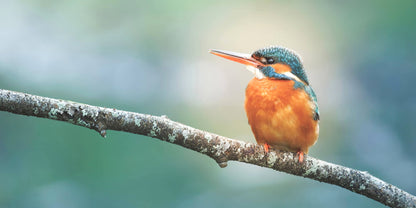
270	61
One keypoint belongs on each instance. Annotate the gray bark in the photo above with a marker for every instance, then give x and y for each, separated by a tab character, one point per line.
219	148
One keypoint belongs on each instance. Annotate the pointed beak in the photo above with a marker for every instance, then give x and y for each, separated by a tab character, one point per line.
242	58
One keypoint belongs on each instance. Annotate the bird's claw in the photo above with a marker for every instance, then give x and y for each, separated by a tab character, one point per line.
300	156
266	147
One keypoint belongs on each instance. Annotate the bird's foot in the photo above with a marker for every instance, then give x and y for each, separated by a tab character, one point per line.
266	147
300	155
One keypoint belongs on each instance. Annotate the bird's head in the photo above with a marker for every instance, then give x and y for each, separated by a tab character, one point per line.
271	62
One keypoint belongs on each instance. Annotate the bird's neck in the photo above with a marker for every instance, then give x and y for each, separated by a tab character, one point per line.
257	73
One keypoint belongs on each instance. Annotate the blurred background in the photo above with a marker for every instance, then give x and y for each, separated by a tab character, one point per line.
152	57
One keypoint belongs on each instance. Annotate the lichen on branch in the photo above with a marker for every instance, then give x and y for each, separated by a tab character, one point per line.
219	148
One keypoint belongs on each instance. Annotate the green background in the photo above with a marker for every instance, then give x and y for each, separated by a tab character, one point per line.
152	57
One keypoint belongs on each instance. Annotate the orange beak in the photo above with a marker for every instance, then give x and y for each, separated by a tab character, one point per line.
242	58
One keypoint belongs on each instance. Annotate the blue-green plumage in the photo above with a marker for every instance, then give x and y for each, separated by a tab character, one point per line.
268	71
285	56
277	54
312	95
308	89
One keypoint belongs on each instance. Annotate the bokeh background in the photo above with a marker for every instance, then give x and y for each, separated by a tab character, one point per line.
152	57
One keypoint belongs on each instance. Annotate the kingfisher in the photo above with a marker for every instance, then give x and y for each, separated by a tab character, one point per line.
281	106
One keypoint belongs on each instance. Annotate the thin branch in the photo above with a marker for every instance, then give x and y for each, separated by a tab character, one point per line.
219	148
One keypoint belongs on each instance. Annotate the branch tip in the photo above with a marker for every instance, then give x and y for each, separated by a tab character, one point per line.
222	164
103	133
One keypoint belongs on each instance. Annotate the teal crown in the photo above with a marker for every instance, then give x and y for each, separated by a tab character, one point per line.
278	54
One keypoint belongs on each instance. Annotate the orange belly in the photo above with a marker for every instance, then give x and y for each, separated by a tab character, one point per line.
280	115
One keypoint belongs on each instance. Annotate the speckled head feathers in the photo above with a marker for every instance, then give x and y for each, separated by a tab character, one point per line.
278	54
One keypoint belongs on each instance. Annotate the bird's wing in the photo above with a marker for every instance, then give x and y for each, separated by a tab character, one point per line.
313	98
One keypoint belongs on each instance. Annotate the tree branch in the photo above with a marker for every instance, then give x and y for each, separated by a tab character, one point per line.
219	148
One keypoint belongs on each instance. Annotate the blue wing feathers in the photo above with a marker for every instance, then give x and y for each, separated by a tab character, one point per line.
308	89
312	95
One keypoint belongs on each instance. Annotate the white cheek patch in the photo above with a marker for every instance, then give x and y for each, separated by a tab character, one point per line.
257	73
291	75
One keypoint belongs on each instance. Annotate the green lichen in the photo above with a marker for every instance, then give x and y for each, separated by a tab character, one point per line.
90	112
271	159
84	112
208	137
83	123
172	137
312	170
71	112
115	113
53	113
61	105
221	147
137	121
185	134
154	130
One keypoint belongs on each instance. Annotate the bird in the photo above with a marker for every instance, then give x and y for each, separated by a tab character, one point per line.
281	106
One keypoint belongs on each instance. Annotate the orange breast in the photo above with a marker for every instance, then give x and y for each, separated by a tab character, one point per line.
280	115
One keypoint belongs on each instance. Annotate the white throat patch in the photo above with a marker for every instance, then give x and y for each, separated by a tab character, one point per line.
257	73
